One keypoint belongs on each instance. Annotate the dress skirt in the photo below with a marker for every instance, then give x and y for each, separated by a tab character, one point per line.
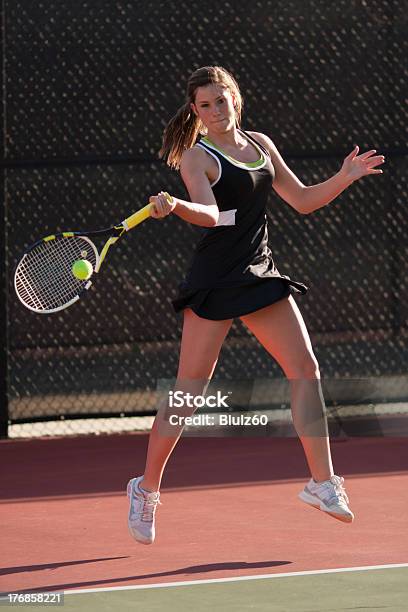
232	302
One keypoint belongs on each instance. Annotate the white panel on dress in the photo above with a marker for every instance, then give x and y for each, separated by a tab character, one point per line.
227	217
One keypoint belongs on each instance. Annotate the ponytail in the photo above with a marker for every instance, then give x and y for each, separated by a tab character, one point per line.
180	134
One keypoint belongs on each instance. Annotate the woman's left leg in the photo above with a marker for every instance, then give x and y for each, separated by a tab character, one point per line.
281	330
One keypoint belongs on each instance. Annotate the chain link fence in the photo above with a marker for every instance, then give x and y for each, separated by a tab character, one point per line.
87	90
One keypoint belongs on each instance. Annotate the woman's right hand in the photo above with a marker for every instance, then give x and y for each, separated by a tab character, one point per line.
163	205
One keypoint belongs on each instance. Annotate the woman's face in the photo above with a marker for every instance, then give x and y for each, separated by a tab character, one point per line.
214	105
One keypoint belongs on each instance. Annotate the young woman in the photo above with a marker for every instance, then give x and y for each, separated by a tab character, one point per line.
229	174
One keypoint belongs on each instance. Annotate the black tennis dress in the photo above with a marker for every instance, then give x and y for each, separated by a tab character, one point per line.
232	272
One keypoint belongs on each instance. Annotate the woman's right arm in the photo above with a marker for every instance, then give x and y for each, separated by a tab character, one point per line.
203	209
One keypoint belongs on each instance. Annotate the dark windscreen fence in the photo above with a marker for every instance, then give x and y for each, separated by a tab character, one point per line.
88	88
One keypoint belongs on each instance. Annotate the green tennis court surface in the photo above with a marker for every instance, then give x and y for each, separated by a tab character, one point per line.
377	589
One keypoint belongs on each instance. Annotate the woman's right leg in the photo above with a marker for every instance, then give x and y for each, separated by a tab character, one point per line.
201	343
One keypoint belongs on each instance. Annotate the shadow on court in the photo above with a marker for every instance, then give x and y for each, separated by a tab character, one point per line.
5	571
183	571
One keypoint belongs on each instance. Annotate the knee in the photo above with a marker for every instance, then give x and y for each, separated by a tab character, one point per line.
306	366
194	371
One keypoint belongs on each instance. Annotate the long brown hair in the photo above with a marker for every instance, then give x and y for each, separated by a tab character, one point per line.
182	130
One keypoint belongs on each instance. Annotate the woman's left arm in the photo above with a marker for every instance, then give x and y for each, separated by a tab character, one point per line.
306	199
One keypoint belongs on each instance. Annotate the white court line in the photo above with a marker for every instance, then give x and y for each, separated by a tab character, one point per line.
237	579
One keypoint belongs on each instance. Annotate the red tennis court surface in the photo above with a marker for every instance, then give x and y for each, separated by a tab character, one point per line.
230	508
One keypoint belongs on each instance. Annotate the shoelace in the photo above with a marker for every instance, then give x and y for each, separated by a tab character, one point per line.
145	507
336	488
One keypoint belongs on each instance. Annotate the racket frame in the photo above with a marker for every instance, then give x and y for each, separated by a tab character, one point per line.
114	233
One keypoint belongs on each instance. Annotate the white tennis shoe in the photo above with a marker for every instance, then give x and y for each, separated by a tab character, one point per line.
329	496
142	509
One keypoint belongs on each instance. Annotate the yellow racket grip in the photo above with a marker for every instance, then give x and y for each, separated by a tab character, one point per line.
140	215
137	217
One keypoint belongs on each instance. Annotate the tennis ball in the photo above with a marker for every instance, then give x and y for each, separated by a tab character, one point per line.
82	269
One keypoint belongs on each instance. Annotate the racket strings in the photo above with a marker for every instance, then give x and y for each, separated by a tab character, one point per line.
44	280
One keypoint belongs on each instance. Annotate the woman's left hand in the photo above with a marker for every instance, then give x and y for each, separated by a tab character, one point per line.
355	166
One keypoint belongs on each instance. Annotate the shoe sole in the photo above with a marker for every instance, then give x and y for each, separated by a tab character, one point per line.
319	505
139	539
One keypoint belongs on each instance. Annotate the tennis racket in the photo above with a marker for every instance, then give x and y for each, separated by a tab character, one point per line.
44	280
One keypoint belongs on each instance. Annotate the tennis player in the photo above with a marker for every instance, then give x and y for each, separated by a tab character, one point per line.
229	174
